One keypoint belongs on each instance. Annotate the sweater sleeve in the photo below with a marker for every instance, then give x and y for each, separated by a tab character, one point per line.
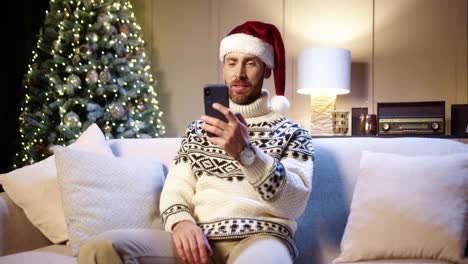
286	183
179	188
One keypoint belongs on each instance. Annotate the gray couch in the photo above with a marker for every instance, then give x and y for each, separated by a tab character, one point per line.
320	228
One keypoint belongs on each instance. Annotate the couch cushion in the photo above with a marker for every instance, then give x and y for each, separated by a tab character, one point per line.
401	261
102	193
321	226
56	254
408	207
61	249
34	188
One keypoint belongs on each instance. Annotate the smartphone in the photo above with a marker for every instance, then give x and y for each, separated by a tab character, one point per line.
215	93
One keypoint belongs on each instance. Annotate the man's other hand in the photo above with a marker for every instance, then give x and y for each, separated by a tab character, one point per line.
191	243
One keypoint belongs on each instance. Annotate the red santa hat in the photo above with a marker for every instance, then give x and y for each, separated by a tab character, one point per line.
264	41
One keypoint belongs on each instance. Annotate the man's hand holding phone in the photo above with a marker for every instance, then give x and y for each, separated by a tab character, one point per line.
232	136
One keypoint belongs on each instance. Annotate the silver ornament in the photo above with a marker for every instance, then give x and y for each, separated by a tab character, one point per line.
72	120
74	80
105	76
117	111
91	77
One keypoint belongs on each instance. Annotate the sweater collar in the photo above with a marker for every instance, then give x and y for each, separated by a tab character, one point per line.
259	107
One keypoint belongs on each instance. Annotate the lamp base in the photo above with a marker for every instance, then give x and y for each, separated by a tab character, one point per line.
322	107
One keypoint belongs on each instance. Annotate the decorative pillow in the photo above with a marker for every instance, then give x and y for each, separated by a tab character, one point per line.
408	207
34	187
101	193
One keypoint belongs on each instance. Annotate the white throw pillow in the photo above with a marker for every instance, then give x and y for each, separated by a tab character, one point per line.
408	207
101	193
34	187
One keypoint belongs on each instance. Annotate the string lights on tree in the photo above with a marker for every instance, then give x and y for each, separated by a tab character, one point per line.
89	66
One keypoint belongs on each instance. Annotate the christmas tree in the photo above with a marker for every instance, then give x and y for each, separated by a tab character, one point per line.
89	67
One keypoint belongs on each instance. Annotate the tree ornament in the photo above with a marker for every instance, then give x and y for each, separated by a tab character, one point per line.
117	111
69	89
85	51
91	77
105	76
74	80
120	40
55	45
102	18
93	37
100	90
72	120
98	3
105	60
138	51
123	28
76	59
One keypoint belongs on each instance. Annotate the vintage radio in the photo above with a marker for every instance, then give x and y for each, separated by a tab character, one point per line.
411	118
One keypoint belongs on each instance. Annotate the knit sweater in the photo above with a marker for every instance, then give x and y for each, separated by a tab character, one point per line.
230	201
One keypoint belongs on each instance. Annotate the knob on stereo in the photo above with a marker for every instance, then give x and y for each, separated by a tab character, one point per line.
385	126
435	126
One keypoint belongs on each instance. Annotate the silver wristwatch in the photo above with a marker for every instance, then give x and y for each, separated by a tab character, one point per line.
247	155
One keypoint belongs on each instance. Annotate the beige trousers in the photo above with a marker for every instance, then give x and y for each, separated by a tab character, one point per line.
146	246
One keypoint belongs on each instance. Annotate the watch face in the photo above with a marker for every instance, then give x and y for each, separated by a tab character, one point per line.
247	156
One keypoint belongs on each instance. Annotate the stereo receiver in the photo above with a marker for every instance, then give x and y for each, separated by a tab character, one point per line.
411	125
411	118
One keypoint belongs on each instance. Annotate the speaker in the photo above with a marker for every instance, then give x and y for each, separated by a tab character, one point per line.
460	120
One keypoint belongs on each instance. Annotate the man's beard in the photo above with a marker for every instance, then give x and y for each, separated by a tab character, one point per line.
244	99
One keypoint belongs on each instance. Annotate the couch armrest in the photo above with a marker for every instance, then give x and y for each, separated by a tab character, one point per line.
17	234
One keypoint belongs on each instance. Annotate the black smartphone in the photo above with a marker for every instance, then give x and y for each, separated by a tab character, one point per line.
215	93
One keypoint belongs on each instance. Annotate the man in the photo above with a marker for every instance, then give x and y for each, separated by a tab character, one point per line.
233	197
237	194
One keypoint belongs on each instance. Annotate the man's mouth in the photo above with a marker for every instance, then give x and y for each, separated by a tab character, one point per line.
240	87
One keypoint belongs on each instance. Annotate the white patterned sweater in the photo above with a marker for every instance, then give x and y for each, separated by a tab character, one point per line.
230	201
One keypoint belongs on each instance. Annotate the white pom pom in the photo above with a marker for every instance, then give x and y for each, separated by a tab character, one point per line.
279	104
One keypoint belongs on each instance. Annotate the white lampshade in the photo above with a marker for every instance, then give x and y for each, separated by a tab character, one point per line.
324	70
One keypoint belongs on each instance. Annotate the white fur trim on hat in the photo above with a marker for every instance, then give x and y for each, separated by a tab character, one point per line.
279	104
244	43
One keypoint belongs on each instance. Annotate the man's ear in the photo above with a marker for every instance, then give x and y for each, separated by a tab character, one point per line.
267	72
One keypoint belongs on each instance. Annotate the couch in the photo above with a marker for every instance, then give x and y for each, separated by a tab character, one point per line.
322	226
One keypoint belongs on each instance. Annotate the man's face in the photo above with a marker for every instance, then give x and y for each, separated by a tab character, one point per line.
243	74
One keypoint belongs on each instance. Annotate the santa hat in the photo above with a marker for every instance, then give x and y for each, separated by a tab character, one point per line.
264	41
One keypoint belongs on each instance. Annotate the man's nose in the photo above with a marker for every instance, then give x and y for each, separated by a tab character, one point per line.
240	72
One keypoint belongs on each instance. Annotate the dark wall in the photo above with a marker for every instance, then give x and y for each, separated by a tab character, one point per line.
22	24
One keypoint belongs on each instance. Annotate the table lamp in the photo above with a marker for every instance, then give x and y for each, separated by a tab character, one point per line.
323	73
